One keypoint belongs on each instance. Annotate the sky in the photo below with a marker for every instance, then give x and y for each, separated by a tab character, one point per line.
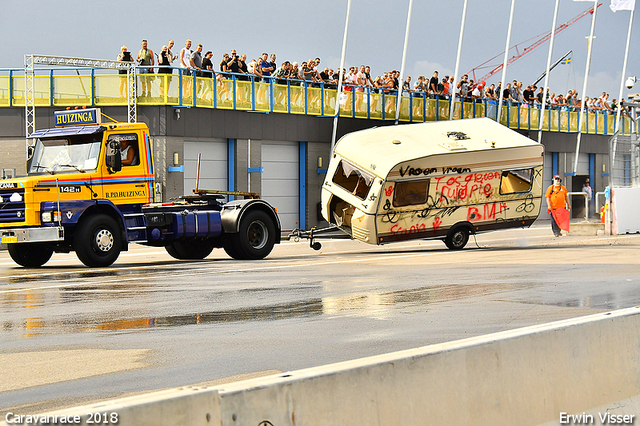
297	31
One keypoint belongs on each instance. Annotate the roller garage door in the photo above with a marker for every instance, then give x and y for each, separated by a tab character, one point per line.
280	180
213	165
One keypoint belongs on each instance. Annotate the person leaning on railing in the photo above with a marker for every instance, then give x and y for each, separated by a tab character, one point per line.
124	56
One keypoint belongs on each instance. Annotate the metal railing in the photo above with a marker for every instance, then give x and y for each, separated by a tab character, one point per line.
92	86
586	202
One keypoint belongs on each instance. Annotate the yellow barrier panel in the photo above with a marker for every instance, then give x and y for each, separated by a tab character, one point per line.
443	110
564	120
346	104
314	98
404	109
281	98
42	91
432	109
417	112
224	93
573	121
110	90
535	118
297	98
376	106
5	96
71	90
329	101
600	122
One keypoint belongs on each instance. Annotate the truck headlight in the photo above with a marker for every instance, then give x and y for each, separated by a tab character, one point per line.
53	216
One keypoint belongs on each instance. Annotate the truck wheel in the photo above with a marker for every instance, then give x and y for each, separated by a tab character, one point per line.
97	241
256	238
195	249
457	238
30	255
229	247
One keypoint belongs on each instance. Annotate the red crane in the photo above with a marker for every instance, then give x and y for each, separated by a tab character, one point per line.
540	39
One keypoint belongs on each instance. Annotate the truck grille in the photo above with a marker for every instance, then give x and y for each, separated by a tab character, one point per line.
12	206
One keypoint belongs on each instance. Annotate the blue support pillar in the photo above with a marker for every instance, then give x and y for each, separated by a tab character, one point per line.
231	167
303	185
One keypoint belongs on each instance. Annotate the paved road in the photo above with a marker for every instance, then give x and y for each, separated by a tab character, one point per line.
71	335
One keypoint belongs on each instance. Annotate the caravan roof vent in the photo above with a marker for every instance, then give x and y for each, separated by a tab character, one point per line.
457	136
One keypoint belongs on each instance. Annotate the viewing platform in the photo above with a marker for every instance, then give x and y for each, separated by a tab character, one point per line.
75	87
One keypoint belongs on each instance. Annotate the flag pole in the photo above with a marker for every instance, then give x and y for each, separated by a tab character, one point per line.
404	56
339	90
504	65
546	78
624	71
452	87
584	86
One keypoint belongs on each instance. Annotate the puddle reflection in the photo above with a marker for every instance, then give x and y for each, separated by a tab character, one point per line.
380	305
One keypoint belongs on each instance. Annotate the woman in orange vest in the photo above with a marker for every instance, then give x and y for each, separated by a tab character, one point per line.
557	198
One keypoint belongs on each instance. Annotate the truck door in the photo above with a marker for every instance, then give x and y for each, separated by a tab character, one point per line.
131	184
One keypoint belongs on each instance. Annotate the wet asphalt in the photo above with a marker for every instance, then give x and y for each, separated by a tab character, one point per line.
71	335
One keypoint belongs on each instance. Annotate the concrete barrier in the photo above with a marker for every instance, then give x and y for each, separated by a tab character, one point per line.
527	376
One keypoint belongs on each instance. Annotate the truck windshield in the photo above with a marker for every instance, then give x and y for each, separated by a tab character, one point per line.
59	155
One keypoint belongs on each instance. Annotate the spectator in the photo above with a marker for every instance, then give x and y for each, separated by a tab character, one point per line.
224	69
233	65
185	63
144	58
209	74
170	54
463	85
506	94
489	93
528	95
367	73
196	64
539	95
604	104
124	56
251	67
446	85
406	86
265	67
476	94
361	81
242	67
433	85
165	62
420	88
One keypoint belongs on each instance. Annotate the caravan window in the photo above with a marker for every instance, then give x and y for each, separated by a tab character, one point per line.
354	180
514	181
410	193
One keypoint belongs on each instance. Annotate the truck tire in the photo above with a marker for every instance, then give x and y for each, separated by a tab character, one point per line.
97	241
30	255
190	250
256	237
229	247
457	238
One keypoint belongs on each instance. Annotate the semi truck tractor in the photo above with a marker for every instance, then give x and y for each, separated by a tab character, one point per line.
90	188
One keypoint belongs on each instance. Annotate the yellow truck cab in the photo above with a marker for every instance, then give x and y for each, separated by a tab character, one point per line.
90	188
444	179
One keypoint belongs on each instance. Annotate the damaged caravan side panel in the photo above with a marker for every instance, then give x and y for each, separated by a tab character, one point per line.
449	180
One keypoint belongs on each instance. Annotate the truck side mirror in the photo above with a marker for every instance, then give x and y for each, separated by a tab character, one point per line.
30	150
114	160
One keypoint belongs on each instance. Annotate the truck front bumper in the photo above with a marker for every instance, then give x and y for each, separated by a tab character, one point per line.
32	235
